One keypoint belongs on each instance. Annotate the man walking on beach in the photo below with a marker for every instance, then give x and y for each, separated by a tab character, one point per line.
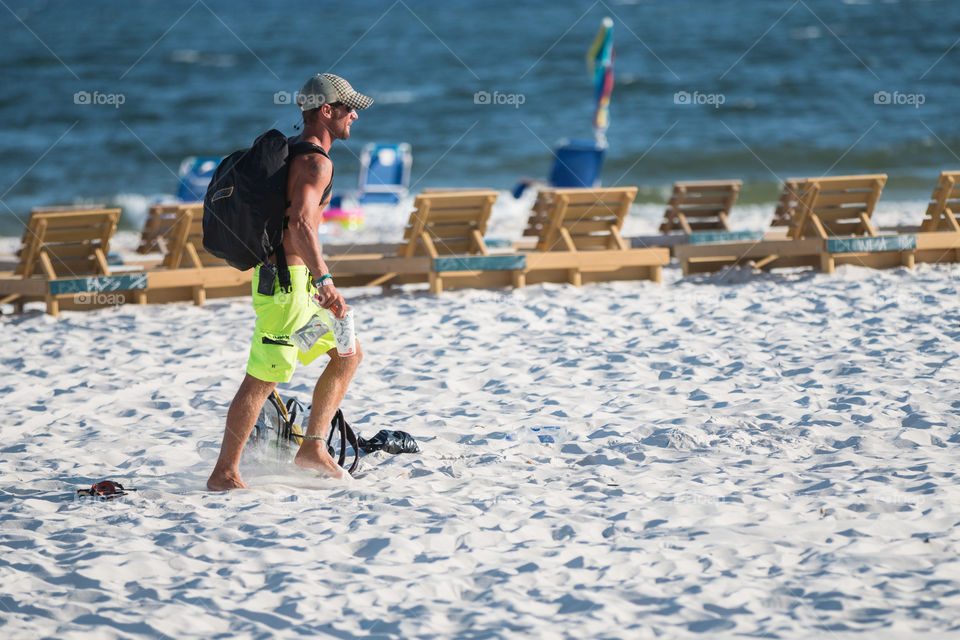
329	105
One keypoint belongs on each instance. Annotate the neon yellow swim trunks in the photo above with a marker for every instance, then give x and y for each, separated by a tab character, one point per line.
273	356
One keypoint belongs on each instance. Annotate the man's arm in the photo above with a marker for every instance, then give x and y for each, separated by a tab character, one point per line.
309	176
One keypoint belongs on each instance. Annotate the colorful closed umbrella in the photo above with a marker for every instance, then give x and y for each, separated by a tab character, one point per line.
600	65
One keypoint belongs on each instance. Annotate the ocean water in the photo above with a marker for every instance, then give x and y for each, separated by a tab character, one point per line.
753	89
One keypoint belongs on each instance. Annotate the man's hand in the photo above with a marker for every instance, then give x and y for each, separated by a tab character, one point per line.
330	298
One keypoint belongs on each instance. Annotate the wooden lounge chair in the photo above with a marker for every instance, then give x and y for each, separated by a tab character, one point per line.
938	238
837	206
160	220
63	262
830	225
578	239
188	271
700	206
697	212
944	205
787	203
445	228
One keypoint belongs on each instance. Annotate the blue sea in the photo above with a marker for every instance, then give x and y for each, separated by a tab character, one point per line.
103	100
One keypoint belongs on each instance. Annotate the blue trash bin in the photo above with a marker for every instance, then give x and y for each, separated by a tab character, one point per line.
577	163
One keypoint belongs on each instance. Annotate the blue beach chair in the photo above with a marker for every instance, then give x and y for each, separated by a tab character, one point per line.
384	172
195	174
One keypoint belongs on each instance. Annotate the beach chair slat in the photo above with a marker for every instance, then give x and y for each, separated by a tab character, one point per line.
594	242
452	230
611	196
599	210
74	208
605	201
72	211
607	217
833	199
844	229
66	220
596	204
467	209
696	200
704	226
70	251
52	266
832	214
449	232
708	185
835	183
440	216
705	212
74	235
458	199
450	246
586	227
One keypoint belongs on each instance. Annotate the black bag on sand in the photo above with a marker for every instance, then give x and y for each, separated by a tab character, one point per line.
391	442
244	210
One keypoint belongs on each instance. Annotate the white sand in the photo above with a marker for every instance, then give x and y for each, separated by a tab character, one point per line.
742	456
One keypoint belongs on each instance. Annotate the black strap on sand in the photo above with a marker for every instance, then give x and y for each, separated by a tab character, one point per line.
293	407
347	435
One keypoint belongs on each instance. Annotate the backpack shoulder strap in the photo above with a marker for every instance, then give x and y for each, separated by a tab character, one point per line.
293	150
303	148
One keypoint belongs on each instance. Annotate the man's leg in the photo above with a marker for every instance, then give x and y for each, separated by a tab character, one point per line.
327	396
241	417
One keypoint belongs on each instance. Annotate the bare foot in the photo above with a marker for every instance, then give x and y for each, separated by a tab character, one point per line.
221	481
314	456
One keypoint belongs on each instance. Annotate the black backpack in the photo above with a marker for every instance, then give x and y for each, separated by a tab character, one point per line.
244	210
